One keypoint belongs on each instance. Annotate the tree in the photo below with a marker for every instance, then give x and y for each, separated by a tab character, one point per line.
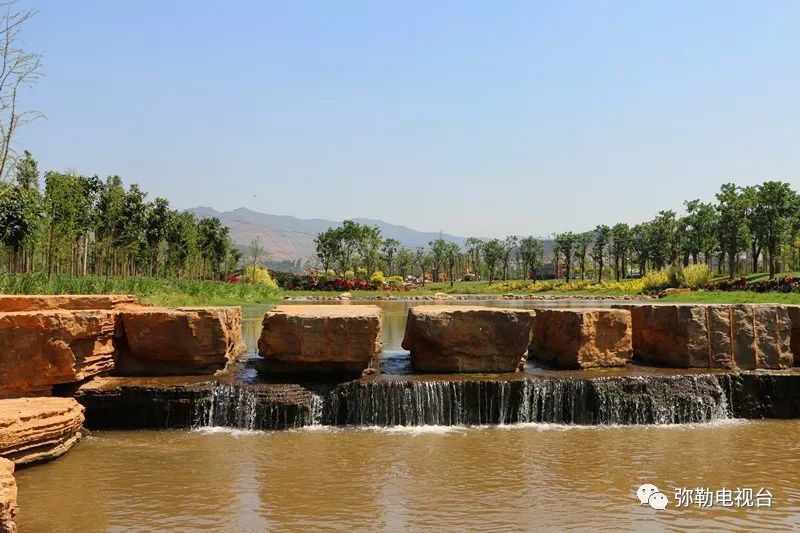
389	249
775	204
493	252
531	251
732	223
422	260
601	236
509	244
566	245
640	244
452	254
19	216
404	261
18	69
620	244
582	241
474	249
664	239
329	247
700	226
256	250
438	253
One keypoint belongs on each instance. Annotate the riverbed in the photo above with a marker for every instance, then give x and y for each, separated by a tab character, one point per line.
503	478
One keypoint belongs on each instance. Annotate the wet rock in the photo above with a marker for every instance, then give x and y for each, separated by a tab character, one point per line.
39	349
187	340
320	338
13	303
582	338
744	336
8	497
460	338
345	296
38	429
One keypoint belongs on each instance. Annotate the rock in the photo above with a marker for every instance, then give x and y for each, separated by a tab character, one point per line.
442	296
460	338
345	296
582	338
39	349
744	336
320	338
38	429
794	317
8	497
672	291
159	341
12	303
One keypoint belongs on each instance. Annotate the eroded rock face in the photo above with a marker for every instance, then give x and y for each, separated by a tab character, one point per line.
38	429
39	349
320	338
8	497
745	336
459	338
159	341
12	303
582	338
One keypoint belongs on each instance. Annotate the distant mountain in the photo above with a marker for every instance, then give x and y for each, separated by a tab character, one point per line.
291	238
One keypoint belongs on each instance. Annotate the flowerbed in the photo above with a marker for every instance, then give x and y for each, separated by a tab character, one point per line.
784	284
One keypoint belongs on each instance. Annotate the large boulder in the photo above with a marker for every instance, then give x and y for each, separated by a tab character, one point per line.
39	349
582	338
320	338
159	341
13	302
38	429
460	338
8	497
745	336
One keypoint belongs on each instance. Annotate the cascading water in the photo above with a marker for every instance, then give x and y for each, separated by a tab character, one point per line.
395	402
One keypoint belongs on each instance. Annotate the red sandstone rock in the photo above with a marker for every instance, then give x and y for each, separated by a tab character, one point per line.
742	336
39	349
582	338
38	429
13	302
158	341
8	497
320	338
460	338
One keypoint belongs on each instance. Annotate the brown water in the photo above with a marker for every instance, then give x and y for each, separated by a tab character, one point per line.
428	478
492	479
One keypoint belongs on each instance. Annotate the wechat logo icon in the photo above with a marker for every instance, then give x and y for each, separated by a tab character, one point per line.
650	495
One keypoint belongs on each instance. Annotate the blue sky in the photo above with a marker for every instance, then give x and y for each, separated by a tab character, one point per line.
476	118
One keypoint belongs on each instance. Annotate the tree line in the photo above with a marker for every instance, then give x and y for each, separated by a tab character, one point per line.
81	225
747	229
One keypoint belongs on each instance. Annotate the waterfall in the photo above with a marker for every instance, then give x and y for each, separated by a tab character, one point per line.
460	400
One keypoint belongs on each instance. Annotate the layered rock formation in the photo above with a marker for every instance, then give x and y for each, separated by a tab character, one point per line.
458	338
39	349
320	338
8	497
38	429
158	341
713	336
582	338
13	302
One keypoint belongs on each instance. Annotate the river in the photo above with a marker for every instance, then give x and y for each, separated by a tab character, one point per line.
508	478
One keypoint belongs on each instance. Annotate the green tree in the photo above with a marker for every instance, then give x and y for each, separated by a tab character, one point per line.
732	229
493	252
602	234
509	245
701	226
566	245
620	244
389	249
776	202
474	250
582	242
531	251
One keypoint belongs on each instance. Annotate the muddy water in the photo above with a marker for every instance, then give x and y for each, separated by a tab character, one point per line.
430	478
492	479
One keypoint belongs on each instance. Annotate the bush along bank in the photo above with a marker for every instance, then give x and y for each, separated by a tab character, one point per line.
783	284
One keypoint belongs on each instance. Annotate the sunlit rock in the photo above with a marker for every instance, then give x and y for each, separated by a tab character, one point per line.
582	338
39	349
320	338
38	429
159	341
8	497
459	338
10	303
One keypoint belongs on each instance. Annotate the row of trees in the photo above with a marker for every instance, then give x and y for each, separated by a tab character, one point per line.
79	225
747	229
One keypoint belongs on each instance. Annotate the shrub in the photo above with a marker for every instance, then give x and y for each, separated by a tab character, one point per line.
361	273
676	277
259	276
697	276
377	279
655	280
350	275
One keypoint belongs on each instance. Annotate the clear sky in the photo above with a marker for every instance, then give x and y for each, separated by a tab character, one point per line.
476	118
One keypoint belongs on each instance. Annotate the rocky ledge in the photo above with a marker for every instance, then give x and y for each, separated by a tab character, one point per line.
38	429
8	497
14	302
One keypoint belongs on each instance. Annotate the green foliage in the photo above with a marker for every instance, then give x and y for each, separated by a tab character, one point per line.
377	278
655	280
697	276
259	276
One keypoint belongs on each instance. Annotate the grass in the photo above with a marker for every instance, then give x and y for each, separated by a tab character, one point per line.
175	292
